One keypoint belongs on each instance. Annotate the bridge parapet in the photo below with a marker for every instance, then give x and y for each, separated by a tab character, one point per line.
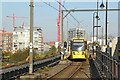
108	66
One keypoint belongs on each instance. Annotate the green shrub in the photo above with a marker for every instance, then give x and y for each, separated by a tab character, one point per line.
6	55
39	56
20	55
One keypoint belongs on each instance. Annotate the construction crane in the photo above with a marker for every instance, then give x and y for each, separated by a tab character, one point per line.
13	19
3	30
58	22
23	25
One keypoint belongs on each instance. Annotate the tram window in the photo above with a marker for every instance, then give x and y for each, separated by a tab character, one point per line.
78	46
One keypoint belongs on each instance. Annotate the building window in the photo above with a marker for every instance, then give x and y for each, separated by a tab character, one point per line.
15	36
20	42
36	42
35	38
35	32
15	45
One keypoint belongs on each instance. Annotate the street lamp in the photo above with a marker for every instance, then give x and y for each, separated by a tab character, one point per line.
101	6
97	17
106	22
93	25
97	22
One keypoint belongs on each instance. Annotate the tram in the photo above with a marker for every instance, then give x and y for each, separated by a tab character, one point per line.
78	48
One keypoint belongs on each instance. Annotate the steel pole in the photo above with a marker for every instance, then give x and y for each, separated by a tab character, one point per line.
90	10
97	23
118	41
93	29
31	38
62	28
93	25
119	35
93	33
106	22
67	32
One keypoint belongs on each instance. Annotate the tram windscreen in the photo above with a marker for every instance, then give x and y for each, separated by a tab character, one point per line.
78	46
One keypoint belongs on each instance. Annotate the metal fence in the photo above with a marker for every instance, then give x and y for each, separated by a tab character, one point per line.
108	66
16	71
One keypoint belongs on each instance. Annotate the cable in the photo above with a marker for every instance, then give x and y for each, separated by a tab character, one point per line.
71	22
57	10
67	10
50	6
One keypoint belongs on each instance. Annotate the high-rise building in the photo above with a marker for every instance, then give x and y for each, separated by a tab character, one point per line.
21	38
6	41
37	39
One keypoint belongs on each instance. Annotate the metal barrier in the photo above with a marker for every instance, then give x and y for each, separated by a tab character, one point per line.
108	66
16	71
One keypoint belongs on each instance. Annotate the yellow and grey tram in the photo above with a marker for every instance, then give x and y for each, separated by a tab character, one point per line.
78	48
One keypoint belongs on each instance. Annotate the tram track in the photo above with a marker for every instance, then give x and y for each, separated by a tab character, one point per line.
74	73
59	72
68	72
79	73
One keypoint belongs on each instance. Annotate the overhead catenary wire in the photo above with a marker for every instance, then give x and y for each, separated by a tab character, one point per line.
57	10
50	6
67	10
71	22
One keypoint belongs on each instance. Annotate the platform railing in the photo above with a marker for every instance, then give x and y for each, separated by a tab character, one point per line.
108	66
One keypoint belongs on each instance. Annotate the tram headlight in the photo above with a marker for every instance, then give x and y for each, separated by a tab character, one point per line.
73	53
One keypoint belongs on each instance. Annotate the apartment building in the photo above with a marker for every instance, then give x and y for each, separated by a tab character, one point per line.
37	39
21	38
6	41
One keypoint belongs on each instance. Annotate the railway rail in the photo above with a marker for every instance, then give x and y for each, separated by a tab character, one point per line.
74	73
80	72
69	72
59	71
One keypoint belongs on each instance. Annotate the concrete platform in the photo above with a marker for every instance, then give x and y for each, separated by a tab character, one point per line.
34	76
